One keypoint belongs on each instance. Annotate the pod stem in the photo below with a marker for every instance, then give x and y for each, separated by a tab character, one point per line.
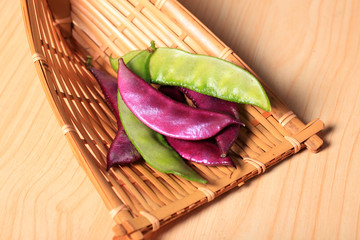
152	47
88	61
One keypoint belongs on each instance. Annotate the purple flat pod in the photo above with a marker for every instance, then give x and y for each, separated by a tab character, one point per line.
173	92
121	150
226	137
108	85
163	114
202	151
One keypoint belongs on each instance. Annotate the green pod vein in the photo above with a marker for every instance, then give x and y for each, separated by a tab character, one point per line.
153	147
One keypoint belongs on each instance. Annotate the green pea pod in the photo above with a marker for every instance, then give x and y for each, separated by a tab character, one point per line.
140	65
137	61
153	147
114	62
207	75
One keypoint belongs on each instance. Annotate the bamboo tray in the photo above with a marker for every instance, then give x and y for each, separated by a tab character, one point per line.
140	199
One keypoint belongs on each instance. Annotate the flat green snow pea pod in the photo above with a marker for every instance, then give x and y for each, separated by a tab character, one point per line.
137	61
153	147
140	65
114	62
207	75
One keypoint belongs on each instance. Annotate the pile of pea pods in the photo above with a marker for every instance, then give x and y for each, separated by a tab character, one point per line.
150	100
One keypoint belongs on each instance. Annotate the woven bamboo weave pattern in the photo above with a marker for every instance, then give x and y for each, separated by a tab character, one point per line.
139	198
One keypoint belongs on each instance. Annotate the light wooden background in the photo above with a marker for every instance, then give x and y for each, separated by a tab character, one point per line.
307	51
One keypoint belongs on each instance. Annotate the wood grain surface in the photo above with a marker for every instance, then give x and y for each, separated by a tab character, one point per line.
308	52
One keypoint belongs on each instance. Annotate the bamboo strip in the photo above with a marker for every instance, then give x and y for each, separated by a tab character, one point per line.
249	142
96	33
210	175
174	39
186	185
247	150
266	138
132	189
161	195
179	191
155	181
152	204
225	169
123	196
143	185
253	111
268	134
278	126
122	22
174	14
169	182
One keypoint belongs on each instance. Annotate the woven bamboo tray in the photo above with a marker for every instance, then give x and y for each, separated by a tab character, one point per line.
140	199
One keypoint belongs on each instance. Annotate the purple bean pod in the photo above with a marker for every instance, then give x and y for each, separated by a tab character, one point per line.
121	150
227	136
163	114
173	92
202	151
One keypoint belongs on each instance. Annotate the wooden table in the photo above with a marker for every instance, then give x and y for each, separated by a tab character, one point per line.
308	52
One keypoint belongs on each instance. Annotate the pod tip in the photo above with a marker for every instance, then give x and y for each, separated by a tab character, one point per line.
89	59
